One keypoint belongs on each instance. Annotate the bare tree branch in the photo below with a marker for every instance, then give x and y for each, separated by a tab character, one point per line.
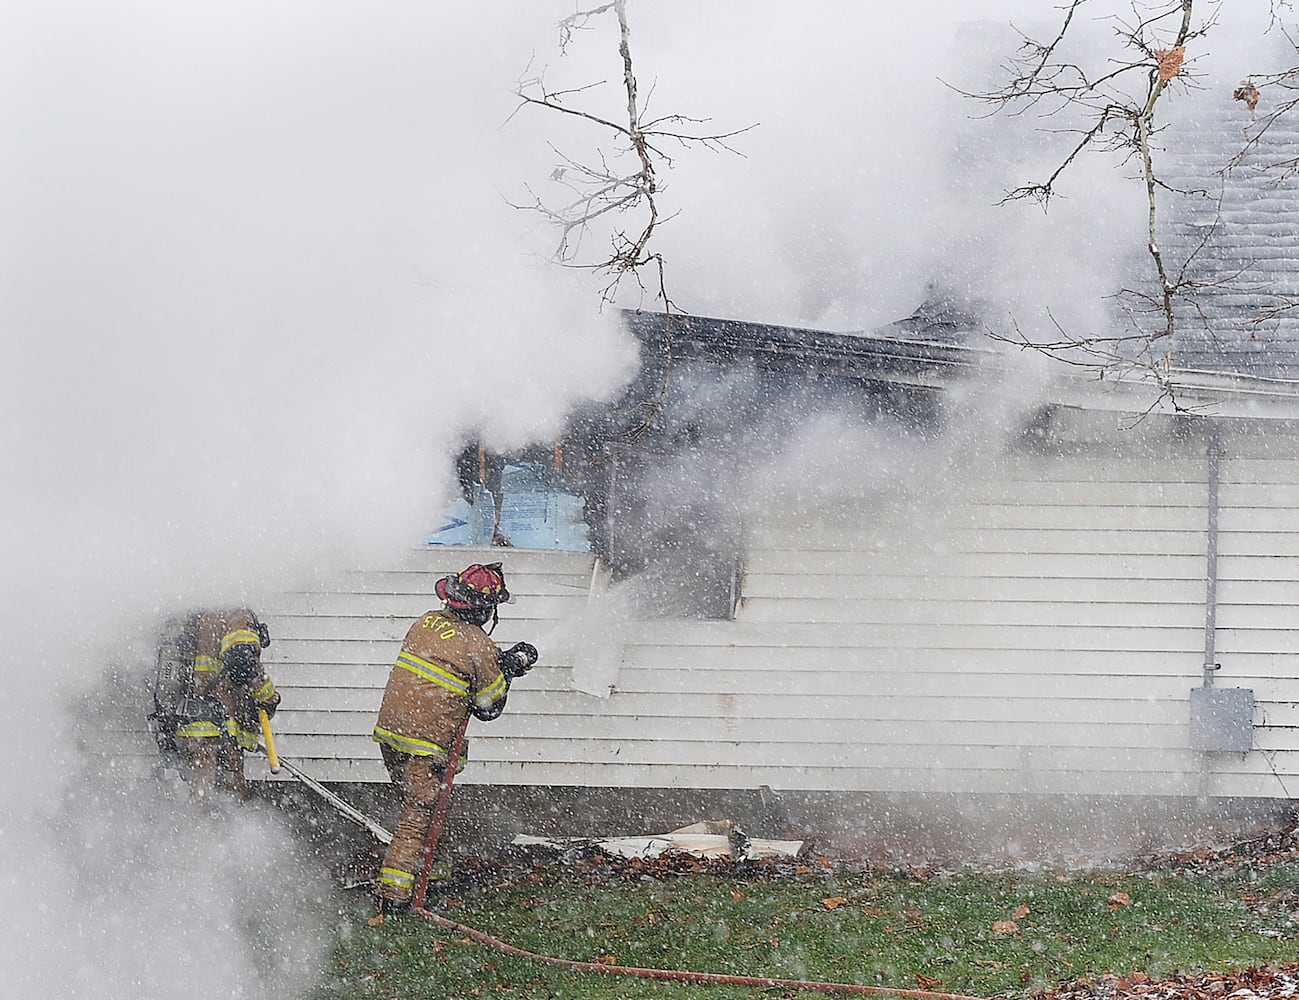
600	192
1117	111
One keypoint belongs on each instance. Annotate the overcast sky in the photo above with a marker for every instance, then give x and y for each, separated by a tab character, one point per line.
259	272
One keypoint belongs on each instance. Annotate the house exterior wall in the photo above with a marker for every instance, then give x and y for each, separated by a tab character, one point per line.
1258	607
1029	622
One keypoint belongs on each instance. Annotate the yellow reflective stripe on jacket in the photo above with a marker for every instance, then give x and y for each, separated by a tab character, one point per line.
204	664
236	636
265	693
439	675
491	694
408	744
203	729
199	730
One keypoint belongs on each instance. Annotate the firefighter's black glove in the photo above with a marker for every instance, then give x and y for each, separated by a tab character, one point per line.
269	707
517	660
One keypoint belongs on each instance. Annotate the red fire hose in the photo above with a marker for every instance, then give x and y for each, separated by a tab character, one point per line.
439	815
683	976
671	975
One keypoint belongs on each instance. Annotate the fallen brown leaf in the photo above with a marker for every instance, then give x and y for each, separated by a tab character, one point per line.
1020	913
1004	927
1119	899
832	902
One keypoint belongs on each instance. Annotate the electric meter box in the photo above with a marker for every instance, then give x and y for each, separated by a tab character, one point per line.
1222	719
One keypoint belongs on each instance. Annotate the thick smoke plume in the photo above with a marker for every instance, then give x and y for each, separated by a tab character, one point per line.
261	278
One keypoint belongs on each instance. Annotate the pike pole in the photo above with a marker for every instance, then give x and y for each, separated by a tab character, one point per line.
341	805
272	754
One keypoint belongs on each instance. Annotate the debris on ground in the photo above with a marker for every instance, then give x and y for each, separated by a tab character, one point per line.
1259	983
1255	983
705	839
1273	847
721	849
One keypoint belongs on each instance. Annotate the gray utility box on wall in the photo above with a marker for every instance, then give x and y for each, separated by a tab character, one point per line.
1222	719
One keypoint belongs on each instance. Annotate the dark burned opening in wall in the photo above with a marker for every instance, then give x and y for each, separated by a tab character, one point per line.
662	472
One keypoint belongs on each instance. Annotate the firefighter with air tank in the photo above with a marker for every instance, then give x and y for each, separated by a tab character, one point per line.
208	695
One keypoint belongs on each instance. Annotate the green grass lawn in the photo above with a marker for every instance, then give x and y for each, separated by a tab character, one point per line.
1002	934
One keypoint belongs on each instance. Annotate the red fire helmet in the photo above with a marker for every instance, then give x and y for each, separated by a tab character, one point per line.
475	586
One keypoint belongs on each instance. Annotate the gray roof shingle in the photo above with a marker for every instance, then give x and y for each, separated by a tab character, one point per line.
1242	315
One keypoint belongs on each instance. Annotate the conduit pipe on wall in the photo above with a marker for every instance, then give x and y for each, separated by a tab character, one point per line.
1213	450
1222	719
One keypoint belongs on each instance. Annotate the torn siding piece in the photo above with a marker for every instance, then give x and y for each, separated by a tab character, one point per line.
706	839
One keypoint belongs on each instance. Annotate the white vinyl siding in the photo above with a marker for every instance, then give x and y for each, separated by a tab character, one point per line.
332	650
1030	623
1258	608
1040	634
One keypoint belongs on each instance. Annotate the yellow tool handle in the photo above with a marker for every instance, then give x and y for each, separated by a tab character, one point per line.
269	737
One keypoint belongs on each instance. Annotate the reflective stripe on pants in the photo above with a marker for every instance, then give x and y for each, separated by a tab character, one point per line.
418	781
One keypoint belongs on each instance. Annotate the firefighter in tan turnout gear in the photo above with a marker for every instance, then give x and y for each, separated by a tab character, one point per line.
448	668
219	722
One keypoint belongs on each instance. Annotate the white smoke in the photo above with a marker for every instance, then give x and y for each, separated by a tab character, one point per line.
260	277
261	274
